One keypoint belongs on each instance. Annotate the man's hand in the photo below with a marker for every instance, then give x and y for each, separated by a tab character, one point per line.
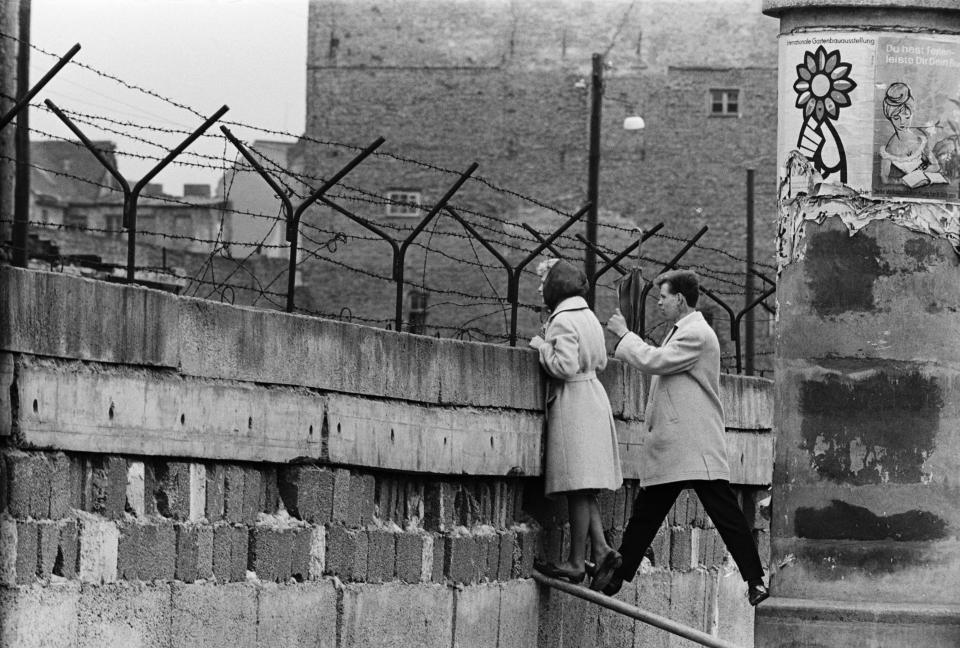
536	342
617	324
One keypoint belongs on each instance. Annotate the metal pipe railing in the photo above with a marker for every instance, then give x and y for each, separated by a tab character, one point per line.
639	614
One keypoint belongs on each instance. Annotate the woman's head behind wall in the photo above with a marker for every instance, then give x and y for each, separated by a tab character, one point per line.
562	281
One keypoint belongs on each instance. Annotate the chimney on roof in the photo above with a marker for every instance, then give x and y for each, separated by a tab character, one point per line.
153	189
196	191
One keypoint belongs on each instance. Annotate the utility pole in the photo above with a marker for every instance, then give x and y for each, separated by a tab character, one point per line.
749	344
593	172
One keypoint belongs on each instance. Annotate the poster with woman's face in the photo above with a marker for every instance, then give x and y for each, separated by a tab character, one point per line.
877	112
917	117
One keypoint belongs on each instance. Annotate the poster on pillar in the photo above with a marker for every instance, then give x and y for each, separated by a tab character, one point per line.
875	113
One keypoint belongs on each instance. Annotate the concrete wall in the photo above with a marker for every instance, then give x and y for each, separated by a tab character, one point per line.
182	472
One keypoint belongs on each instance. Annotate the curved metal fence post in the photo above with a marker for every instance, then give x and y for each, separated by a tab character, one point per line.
292	216
746	309
38	86
293	225
512	292
515	278
130	210
669	265
614	262
399	258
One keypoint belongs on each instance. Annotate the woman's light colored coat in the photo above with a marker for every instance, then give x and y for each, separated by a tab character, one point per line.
581	448
684	436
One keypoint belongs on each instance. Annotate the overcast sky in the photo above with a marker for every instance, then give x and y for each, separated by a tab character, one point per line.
247	54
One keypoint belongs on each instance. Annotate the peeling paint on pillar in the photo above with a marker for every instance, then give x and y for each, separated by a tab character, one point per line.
844	521
871	429
841	272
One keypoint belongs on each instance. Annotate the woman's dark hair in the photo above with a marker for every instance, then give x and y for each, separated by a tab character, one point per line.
684	282
564	280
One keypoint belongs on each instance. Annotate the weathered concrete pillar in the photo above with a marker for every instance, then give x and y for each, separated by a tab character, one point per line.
866	500
9	24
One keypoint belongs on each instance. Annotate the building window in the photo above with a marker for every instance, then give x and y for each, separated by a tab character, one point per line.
404	202
75	221
113	223
725	102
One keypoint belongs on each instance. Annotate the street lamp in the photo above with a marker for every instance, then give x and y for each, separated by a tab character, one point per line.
631	123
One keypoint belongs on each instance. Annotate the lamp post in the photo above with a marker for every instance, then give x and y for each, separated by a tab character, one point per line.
593	171
631	123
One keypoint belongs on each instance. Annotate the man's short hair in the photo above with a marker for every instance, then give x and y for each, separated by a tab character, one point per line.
684	282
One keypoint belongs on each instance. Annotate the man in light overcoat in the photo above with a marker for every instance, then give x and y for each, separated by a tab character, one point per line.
684	442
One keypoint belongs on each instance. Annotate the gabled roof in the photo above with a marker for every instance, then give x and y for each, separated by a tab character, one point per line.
68	171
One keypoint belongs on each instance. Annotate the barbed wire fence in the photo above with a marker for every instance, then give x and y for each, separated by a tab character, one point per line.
225	268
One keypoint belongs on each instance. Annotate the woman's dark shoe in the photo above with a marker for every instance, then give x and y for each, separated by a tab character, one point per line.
757	592
606	574
553	571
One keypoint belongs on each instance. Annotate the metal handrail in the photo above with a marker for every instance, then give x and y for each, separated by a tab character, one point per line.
625	609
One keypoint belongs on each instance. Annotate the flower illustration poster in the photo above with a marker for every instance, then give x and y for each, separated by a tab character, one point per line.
878	113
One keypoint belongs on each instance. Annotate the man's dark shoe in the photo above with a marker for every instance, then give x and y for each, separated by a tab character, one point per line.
757	592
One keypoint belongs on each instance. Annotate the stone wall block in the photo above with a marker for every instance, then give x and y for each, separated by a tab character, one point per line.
105	486
251	495
346	552
136	494
307	492
189	539
410	545
318	551
64	485
297	616
678	512
215	492
270	490
681	548
123	614
8	551
229	556
381	555
39	617
439	505
660	547
525	551
271	553
128	550
224	616
461	559
438	559
65	564
341	497
300	552
98	550
169	489
27	543
48	543
233	494
28	485
158	551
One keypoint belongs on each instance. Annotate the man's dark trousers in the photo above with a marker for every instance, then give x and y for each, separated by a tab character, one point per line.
652	504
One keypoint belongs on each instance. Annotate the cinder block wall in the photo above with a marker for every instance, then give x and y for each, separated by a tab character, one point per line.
180	472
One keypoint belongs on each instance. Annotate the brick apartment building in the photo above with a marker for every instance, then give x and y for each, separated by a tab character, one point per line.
506	84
